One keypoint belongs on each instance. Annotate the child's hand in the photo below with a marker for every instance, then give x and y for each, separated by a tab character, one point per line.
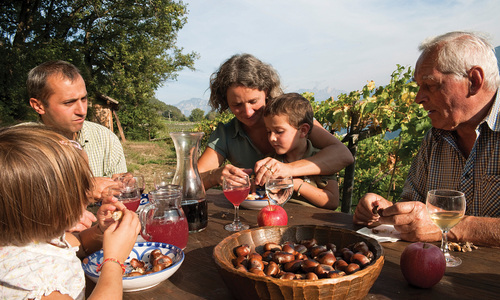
120	236
85	222
105	212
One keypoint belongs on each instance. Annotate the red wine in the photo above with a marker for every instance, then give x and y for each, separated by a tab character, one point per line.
237	195
132	204
196	212
174	232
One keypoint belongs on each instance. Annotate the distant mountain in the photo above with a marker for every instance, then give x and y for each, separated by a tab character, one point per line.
321	94
187	106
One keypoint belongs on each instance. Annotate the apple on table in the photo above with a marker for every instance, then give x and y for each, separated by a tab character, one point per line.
272	215
422	264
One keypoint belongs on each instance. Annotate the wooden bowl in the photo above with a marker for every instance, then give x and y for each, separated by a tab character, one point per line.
245	285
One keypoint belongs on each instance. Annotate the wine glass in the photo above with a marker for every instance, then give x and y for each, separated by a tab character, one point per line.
126	192
279	189
163	179
446	208
236	192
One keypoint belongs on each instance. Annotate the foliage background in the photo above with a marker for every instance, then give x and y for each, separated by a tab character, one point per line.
125	49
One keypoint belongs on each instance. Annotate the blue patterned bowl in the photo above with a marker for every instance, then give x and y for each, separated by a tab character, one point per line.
141	251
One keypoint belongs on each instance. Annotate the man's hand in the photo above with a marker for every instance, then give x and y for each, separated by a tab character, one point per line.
412	220
364	214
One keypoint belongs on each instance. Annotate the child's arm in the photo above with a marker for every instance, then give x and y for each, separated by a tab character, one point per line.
328	197
119	239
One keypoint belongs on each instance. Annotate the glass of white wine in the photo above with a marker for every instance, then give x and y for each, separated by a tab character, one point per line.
446	208
279	189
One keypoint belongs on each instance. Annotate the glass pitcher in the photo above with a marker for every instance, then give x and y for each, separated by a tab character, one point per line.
187	176
163	220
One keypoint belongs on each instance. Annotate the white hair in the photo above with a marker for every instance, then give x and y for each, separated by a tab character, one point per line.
459	51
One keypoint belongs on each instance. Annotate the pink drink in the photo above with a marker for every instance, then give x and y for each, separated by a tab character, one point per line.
236	196
132	203
168	231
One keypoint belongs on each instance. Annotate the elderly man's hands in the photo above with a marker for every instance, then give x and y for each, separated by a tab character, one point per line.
410	218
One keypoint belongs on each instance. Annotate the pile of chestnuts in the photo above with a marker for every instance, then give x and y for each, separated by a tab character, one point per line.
306	260
158	261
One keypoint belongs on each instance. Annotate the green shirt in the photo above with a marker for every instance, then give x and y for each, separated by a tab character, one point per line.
319	181
231	141
103	148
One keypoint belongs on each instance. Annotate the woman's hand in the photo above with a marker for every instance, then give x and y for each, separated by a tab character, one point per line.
270	167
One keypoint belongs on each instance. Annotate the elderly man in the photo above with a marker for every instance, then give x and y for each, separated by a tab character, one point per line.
459	80
58	94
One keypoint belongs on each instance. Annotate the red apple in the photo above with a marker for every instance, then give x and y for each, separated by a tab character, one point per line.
272	215
422	264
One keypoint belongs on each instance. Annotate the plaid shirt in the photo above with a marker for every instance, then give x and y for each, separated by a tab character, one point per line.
439	164
103	148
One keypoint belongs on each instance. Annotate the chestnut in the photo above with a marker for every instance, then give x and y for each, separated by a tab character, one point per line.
335	274
309	243
134	274
272	247
326	258
240	260
360	259
272	269
293	266
352	268
255	263
242	250
311	276
309	265
281	257
300	248
346	255
332	247
316	250
360	247
289	249
158	267
135	263
340	265
287	275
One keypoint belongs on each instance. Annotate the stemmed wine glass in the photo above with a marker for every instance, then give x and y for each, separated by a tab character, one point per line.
446	208
236	192
279	189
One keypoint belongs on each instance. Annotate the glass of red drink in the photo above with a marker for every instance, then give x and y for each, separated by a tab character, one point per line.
127	191
163	220
236	191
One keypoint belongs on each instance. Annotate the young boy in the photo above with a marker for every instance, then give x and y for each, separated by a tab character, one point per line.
289	119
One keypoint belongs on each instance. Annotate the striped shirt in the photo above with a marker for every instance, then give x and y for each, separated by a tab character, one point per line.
440	164
103	148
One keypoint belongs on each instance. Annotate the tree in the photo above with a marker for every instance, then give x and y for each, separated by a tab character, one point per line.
125	49
197	115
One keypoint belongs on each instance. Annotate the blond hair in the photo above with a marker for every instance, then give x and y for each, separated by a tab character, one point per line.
44	186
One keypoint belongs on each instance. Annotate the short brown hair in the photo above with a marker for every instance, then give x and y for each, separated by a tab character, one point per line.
37	78
242	70
44	184
294	106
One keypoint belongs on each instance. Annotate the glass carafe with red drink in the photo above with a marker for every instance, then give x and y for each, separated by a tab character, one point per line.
163	220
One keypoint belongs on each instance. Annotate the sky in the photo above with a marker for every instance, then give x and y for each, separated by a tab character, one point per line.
319	44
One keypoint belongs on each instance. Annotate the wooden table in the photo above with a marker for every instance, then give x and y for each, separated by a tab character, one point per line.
198	278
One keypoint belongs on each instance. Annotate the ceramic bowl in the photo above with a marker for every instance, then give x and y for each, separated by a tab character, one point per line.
141	251
246	285
257	200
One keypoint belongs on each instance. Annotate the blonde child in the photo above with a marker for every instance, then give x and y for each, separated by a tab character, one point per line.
45	183
289	119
